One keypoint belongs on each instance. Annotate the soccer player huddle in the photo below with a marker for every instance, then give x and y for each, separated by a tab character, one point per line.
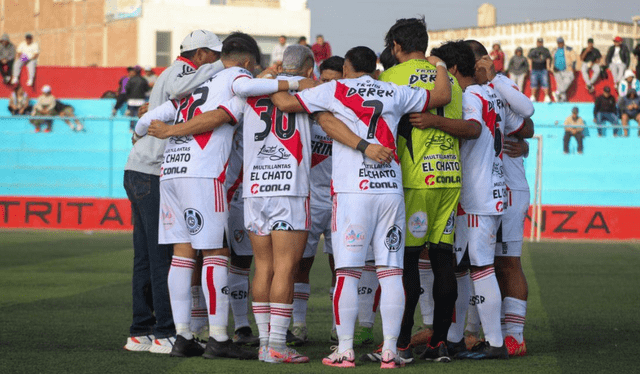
413	175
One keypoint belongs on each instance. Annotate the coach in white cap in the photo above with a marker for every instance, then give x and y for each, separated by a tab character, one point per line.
152	328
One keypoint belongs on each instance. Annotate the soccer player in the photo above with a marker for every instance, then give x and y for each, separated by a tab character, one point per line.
431	174
193	198
372	110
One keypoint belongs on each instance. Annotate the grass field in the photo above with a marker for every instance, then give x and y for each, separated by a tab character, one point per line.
66	308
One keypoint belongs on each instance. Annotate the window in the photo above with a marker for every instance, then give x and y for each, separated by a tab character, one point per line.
218	2
163	48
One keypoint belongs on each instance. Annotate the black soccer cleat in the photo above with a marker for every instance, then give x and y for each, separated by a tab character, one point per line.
439	353
457	348
244	336
216	349
186	348
405	354
484	351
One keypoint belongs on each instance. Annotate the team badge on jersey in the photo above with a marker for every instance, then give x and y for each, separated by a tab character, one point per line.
281	226
238	235
393	239
168	217
418	224
448	229
194	221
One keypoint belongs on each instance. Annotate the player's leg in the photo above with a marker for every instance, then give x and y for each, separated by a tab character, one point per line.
334	335
301	291
199	316
368	301
261	284
455	337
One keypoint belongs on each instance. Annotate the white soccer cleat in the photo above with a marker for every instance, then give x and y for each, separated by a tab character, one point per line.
139	343
346	359
163	346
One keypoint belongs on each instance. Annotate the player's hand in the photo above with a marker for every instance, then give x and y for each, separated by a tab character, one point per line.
423	120
485	64
159	129
303	84
379	153
515	149
143	109
433	60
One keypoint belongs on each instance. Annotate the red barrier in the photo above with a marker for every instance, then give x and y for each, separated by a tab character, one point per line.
65	213
587	222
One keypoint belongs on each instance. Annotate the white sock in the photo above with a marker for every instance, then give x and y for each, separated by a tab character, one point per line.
198	309
367	291
426	297
239	291
391	305
345	305
179	283
216	290
486	295
515	311
301	293
262	314
456	331
279	323
503	325
333	317
473	320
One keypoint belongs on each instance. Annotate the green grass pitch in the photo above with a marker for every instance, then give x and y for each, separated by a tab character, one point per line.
66	308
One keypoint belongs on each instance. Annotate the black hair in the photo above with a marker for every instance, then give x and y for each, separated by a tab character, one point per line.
478	49
130	68
410	34
387	60
302	39
363	59
241	43
334	63
457	53
189	55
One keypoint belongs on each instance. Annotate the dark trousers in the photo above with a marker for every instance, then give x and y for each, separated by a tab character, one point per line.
6	69
567	137
612	118
151	261
133	112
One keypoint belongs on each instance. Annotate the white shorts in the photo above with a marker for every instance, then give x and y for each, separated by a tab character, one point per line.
193	210
320	225
368	225
277	213
476	235
510	235
239	240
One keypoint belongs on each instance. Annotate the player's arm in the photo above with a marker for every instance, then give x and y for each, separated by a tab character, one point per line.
441	93
518	101
246	86
526	131
296	103
339	132
286	102
165	112
459	128
183	84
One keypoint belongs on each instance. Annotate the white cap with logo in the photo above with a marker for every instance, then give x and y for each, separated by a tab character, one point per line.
46	88
201	39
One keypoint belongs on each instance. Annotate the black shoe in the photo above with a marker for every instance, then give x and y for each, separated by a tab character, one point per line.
244	336
186	348
439	353
227	349
455	349
484	351
405	354
292	340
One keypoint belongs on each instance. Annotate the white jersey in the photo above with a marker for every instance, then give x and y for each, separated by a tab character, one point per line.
372	110
320	183
277	147
233	182
484	189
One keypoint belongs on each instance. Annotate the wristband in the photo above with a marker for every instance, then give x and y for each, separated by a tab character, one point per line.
136	137
293	85
362	145
440	63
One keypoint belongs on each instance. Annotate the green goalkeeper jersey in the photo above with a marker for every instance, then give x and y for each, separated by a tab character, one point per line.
429	158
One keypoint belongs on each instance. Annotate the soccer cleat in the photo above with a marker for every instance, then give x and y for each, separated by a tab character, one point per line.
547	99
244	336
405	354
422	337
514	348
439	353
186	348
346	359
227	349
263	353
456	348
484	351
140	343
363	336
471	339
372	357
163	345
298	336
285	355
389	360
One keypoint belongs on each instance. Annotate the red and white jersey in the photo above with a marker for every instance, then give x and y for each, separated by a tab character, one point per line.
484	189
277	147
372	110
320	182
233	182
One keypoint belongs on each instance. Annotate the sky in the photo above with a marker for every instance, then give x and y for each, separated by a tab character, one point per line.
348	23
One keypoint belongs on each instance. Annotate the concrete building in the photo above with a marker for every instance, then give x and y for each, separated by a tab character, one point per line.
130	32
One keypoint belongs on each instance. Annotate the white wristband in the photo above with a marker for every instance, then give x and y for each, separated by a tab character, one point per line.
440	63
293	85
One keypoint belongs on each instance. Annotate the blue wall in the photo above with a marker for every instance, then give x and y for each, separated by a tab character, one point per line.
64	163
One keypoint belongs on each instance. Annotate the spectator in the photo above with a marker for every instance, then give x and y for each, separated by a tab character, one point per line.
518	68
321	50
278	50
66	110
122	84
151	78
19	102
135	92
618	59
27	54
303	41
628	83
636	51
630	109
539	60
498	57
605	110
7	55
563	61
573	126
590	57
45	106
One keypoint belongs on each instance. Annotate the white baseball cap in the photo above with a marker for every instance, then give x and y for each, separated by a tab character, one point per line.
201	39
46	88
628	73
